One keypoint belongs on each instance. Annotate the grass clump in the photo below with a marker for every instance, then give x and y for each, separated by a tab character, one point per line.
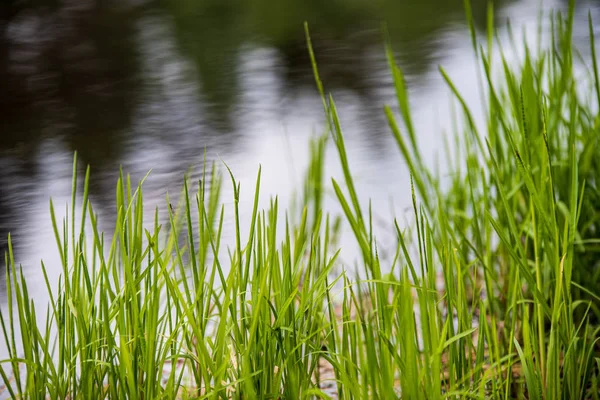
494	296
521	213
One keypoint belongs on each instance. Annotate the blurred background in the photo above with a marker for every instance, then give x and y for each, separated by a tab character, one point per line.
152	85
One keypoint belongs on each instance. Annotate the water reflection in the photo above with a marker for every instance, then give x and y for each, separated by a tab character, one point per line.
153	84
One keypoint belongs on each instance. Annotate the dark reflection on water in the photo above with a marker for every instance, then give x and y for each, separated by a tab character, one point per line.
152	84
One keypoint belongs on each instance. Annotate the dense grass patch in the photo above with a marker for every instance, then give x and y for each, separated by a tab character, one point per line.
494	293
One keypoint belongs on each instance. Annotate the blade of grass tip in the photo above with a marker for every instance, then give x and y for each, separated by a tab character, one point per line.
236	198
594	59
356	228
214	194
471	22
465	108
401	93
489	29
215	242
346	165
415	166
129	218
249	245
84	203
73	200
568	37
84	207
190	233
57	234
178	252
237	265
300	238
200	206
313	62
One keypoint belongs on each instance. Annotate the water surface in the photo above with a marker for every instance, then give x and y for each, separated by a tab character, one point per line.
154	84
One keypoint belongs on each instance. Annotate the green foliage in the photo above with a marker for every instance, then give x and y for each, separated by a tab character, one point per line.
494	293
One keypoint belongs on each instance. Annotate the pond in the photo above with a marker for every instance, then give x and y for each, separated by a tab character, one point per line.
153	85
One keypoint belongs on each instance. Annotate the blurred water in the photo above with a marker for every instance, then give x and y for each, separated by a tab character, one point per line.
153	84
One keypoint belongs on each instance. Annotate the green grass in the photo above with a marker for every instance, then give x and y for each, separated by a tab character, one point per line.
511	235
